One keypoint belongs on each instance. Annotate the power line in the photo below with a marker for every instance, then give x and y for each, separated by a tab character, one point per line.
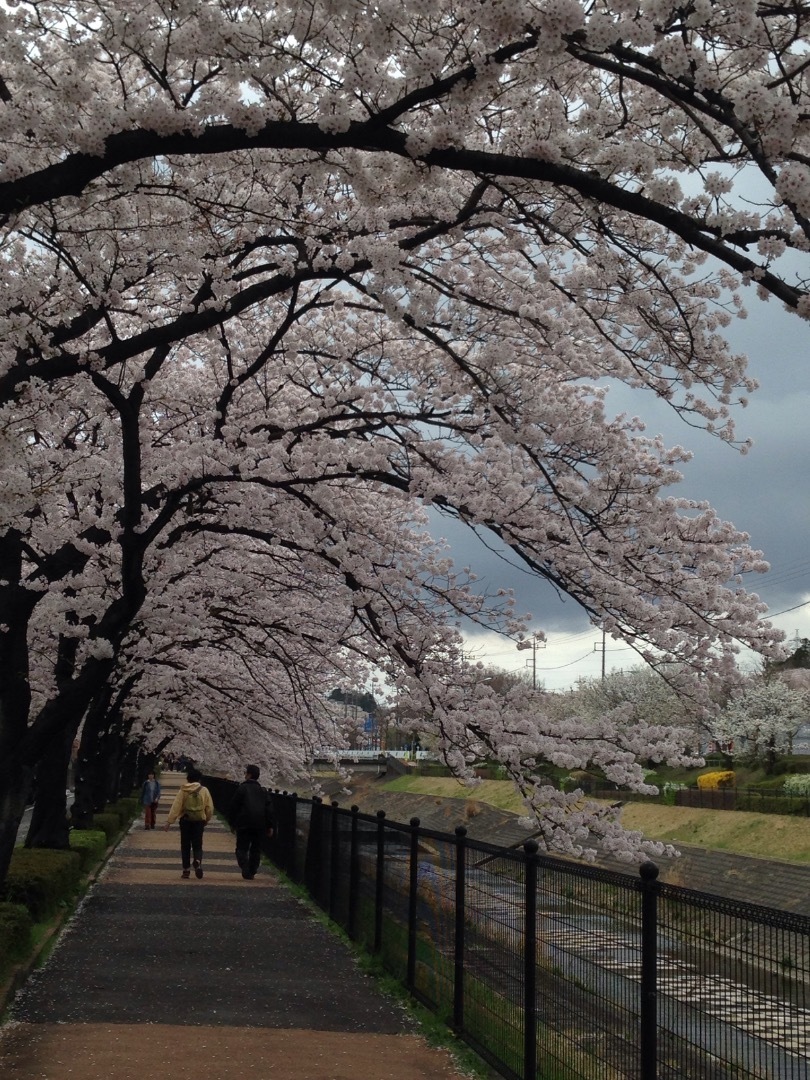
784	611
569	664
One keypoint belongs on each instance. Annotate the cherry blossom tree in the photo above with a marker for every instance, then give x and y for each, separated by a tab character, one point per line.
291	272
647	693
763	719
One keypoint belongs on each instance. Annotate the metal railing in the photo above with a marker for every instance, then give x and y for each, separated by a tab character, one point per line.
553	969
755	800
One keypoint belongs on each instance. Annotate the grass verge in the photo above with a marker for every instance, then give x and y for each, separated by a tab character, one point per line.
435	1033
774	836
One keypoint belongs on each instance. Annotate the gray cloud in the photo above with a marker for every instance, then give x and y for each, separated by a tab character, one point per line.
766	492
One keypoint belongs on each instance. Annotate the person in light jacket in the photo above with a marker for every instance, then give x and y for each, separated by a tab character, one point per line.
193	807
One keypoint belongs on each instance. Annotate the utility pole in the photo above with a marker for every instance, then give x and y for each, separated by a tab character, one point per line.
538	641
600	646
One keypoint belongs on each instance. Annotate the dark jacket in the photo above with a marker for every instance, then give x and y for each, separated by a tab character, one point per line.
250	807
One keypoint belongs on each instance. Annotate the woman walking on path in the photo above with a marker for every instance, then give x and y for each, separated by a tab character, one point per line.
194	808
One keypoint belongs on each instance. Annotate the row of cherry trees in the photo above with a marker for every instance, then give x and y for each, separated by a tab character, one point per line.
278	276
760	719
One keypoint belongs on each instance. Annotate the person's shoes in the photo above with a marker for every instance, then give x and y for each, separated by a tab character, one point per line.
246	874
186	874
198	873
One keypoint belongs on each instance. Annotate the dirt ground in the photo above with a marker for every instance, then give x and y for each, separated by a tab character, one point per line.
133	1051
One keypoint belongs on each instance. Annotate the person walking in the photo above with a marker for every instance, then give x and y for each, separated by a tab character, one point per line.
194	808
250	818
150	797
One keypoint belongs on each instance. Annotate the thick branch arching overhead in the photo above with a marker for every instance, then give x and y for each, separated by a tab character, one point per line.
277	277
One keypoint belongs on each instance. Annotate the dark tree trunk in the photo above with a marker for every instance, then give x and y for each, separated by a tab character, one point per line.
88	796
771	756
25	740
99	758
119	766
111	766
16	605
149	760
15	789
49	825
128	772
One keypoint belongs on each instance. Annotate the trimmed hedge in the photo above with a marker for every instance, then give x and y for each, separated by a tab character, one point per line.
16	925
774	804
42	879
109	822
90	844
127	809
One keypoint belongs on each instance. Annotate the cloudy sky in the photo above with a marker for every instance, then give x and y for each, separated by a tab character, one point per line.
766	493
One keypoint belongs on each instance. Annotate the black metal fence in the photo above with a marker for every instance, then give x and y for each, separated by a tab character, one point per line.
753	799
552	970
757	800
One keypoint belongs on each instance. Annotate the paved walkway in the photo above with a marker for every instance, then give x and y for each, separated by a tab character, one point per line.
219	978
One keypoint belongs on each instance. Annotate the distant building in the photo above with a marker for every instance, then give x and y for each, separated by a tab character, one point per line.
801	740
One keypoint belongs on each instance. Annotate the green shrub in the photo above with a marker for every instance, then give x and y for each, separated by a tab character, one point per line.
669	792
717	761
42	879
109	822
90	845
772	783
791	764
16	925
797	784
772	804
126	809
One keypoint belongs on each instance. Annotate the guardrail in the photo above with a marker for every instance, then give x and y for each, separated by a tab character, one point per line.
551	968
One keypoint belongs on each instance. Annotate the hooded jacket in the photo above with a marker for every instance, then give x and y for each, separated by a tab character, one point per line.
180	800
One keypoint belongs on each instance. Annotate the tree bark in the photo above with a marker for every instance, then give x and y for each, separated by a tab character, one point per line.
16	605
15	788
88	793
99	757
49	824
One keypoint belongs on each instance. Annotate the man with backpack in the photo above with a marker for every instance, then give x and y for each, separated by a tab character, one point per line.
194	808
250	818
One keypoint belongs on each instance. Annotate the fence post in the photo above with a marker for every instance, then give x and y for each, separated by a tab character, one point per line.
458	975
334	859
313	860
354	875
530	965
649	970
379	880
412	889
291	845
